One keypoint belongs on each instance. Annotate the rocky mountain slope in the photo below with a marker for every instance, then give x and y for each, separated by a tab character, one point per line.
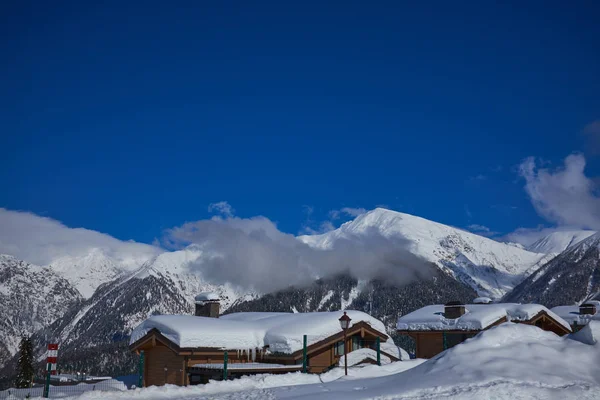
31	298
570	278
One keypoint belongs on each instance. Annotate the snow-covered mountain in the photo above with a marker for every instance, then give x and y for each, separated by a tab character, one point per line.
570	278
31	298
489	267
557	242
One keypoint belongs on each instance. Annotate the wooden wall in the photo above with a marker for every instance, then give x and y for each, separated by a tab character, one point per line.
156	359
429	344
320	361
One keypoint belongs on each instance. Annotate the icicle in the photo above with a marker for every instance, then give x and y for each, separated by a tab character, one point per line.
254	354
248	355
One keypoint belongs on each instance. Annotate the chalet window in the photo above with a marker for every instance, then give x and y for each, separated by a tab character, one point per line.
338	348
452	339
355	343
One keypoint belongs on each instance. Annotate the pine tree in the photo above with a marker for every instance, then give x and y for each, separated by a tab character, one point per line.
25	363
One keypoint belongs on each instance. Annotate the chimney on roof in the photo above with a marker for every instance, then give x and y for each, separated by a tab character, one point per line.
587	309
207	305
454	309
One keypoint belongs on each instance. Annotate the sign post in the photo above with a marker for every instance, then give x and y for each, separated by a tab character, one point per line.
378	351
47	383
141	370
304	358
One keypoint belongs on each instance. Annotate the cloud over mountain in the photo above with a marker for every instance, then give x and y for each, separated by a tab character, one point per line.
564	196
41	240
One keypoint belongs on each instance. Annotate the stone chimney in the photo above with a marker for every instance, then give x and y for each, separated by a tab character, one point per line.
207	305
454	309
587	309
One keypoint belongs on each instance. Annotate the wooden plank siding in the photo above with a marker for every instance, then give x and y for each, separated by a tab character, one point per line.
157	360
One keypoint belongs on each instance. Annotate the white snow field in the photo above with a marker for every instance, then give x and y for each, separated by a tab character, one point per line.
510	361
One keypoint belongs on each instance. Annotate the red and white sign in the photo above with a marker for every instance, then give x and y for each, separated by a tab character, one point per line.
52	357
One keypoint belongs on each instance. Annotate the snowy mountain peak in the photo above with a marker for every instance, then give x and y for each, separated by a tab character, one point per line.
490	267
557	242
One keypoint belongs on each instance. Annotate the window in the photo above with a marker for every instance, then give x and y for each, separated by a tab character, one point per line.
452	339
355	343
338	348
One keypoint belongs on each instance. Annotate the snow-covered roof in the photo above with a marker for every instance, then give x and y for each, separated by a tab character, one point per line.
482	300
571	314
477	317
282	332
207	296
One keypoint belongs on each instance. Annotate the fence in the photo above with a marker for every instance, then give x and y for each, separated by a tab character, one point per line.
65	388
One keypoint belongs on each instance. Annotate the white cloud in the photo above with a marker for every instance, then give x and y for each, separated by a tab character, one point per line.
564	196
481	230
528	236
221	207
41	240
353	212
253	253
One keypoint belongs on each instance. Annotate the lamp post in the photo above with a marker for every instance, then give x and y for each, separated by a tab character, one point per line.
345	323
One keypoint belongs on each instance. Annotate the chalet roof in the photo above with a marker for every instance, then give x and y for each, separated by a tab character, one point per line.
477	317
206	296
571	313
281	332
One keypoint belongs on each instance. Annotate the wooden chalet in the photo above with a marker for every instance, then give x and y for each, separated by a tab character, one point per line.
579	316
439	327
188	350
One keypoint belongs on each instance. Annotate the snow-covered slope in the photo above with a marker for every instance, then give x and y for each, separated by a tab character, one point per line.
557	242
490	267
570	278
31	297
87	272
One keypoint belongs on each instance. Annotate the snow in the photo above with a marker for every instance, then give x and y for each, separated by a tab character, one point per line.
571	314
357	356
282	332
490	267
557	242
206	296
476	317
482	300
507	362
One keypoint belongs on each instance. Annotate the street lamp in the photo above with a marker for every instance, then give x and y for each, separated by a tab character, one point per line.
345	323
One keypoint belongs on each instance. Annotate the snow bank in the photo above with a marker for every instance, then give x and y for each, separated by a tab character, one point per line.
282	332
476	317
253	386
360	355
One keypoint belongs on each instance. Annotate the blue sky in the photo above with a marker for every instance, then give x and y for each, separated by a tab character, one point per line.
132	119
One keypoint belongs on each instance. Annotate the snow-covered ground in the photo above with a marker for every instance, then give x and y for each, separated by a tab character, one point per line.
510	361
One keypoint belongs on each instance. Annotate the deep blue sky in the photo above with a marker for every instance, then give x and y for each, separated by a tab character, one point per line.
130	119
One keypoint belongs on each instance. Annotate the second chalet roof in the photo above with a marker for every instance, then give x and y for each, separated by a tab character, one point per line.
282	332
571	313
477	317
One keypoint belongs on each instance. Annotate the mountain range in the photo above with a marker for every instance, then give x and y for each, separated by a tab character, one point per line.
90	303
